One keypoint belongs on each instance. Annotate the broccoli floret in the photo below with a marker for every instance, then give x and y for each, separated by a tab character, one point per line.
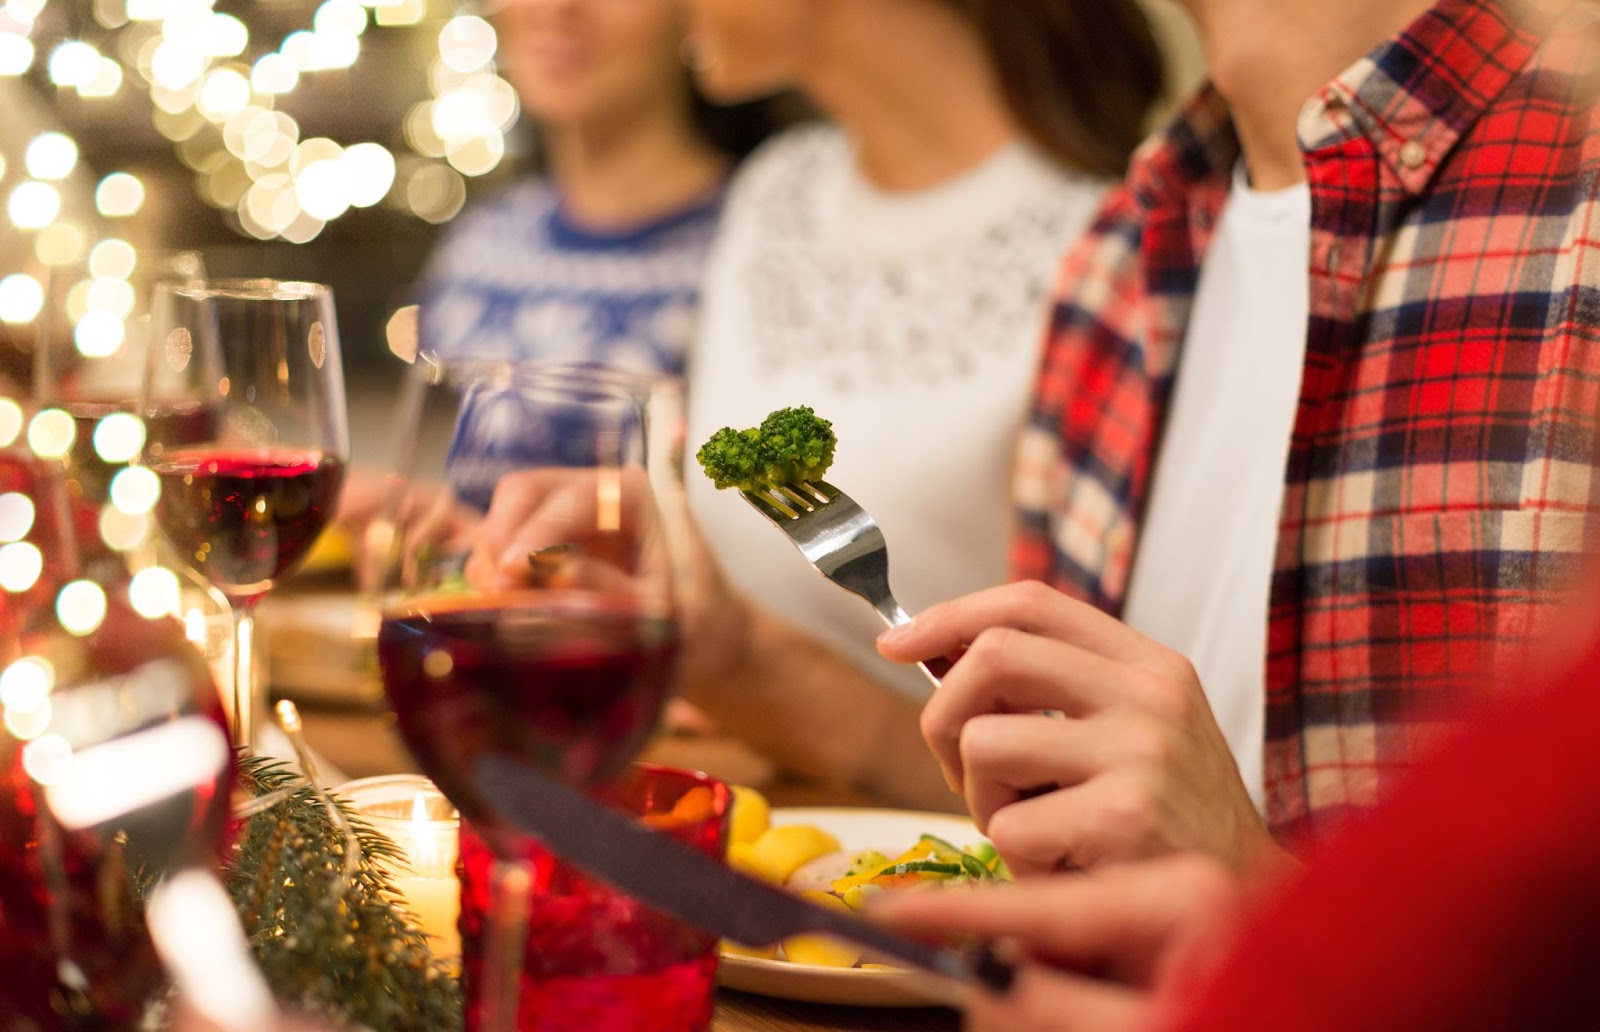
797	444
732	458
790	445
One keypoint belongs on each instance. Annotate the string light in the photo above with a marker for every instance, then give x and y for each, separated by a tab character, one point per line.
33	205
259	170
51	156
21	297
81	607
16	516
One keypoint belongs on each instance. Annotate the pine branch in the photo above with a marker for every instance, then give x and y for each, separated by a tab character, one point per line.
352	956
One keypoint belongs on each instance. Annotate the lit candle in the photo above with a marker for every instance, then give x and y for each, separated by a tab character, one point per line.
417	817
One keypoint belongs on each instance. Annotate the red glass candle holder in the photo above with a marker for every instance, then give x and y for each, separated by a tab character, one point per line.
595	959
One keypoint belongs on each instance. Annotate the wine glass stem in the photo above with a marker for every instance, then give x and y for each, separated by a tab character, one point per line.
506	936
242	718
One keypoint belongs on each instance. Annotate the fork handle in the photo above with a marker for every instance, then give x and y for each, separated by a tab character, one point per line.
934	669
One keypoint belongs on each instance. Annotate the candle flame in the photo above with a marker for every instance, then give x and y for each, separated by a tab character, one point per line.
194	627
424	850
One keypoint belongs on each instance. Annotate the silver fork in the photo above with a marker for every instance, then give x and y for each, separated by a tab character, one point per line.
843	542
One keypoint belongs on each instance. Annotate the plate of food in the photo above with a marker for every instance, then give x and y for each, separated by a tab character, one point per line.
841	857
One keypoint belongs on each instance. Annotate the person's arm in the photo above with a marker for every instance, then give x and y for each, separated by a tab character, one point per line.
815	713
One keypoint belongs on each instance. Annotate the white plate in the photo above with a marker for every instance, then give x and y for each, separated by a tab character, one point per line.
891	832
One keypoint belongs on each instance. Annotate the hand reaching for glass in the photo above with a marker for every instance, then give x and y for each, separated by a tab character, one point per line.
563	527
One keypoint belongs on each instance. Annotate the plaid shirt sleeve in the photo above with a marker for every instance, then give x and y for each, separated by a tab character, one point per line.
1441	478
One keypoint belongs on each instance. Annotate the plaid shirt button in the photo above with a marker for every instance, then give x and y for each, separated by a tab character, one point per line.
1412	154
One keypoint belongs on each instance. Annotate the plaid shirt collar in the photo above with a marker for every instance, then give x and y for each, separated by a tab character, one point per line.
1412	98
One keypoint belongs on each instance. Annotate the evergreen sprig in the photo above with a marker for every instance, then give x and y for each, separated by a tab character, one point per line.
345	953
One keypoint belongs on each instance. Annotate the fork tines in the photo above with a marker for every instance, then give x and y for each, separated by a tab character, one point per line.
788	502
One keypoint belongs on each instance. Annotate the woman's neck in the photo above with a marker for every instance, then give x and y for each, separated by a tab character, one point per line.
631	170
919	112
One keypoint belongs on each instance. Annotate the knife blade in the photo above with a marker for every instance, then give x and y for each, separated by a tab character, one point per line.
662	872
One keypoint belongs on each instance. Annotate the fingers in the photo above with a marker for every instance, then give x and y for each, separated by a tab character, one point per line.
1027	606
1006	756
1043	999
1114	817
1008	671
1118	921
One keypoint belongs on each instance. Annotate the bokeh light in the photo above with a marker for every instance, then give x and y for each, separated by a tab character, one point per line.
119	195
105	82
21	562
51	433
33	205
16	516
21	297
27	683
60	243
73	63
274	73
119	437
16	54
10	421
135	490
47	759
113	258
51	156
122	531
111	295
99	334
224	92
154	592
81	607
466	43
368	172
28	724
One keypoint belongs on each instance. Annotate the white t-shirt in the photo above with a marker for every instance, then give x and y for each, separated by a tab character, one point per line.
910	320
1203	570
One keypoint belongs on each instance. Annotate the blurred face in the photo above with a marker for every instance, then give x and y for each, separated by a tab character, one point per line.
578	61
748	48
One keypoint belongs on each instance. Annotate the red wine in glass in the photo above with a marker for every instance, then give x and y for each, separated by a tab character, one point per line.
571	682
74	950
244	518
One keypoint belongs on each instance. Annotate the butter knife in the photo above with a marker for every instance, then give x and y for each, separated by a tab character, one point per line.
662	872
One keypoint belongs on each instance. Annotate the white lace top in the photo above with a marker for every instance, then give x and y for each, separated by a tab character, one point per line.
913	322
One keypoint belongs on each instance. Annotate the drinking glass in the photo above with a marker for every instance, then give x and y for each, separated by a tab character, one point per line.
115	770
99	310
593	958
252	370
530	609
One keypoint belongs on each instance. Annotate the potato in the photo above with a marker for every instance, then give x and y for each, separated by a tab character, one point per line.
742	857
784	848
822	950
751	815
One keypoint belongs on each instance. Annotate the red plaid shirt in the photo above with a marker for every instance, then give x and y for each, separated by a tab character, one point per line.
1441	468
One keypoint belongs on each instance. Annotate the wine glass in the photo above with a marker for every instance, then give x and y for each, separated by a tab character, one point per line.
530	610
99	311
115	771
251	368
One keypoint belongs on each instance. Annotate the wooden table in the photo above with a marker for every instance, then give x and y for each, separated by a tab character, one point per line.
364	743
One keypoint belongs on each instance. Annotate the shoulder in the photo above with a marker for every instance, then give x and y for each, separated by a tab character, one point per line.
787	162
